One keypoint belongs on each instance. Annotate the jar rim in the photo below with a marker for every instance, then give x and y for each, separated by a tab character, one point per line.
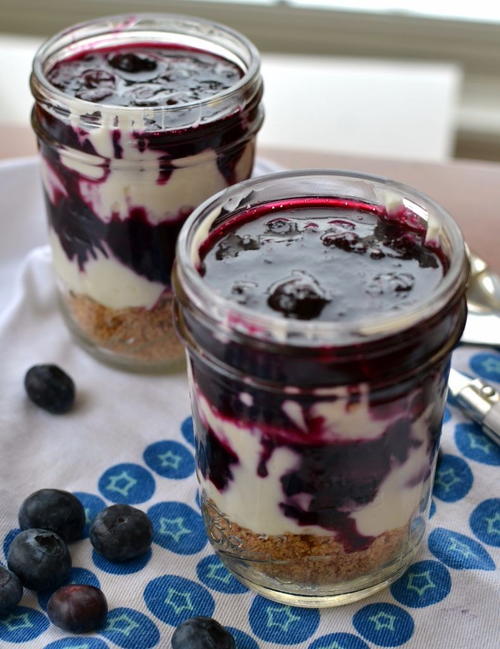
42	89
295	332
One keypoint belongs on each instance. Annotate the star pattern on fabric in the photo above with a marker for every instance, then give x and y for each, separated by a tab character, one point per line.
383	621
173	527
179	600
20	621
446	478
169	460
493	523
122	483
460	548
332	645
281	617
420	582
477	441
122	624
216	571
491	365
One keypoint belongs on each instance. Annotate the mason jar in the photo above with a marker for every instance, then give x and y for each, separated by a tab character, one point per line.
319	310
129	145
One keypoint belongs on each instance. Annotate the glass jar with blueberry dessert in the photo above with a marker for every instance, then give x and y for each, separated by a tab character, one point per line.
138	120
319	311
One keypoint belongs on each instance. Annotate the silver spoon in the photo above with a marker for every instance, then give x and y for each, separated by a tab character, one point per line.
483	292
476	398
483	303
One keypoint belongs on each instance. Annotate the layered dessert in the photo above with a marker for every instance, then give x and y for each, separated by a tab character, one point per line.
147	134
316	462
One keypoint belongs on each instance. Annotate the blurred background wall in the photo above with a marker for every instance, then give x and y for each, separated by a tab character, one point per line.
410	79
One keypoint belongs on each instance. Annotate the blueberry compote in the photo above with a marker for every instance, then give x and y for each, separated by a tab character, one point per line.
134	133
144	76
318	376
322	262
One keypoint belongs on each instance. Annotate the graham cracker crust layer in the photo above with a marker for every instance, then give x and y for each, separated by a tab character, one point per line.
136	333
308	559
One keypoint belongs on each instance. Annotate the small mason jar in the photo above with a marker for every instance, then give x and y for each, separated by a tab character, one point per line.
316	439
119	180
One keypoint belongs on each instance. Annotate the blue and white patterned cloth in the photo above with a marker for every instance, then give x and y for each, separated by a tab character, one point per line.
130	440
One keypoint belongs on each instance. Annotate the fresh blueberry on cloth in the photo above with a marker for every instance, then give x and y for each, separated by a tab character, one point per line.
202	633
50	388
55	510
11	591
121	532
39	558
78	608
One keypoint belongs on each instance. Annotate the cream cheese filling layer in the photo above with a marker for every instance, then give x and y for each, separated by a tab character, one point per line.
253	502
104	279
134	180
127	187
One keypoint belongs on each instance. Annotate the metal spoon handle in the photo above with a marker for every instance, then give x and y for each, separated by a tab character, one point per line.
479	400
491	423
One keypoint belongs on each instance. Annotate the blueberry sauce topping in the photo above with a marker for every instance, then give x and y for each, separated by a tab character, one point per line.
335	261
159	75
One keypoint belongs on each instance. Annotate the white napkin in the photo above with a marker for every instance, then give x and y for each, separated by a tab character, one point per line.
129	439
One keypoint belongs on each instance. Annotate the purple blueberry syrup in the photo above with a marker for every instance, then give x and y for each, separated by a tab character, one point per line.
144	76
321	263
329	260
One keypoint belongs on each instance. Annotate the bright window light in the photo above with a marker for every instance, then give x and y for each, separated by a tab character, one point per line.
481	10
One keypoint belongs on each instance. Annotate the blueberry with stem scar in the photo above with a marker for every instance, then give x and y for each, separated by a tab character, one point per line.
40	559
121	533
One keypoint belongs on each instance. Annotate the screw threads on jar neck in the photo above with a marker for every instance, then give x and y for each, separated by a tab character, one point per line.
154	29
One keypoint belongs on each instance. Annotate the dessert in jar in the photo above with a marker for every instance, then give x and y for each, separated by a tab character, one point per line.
138	120
319	310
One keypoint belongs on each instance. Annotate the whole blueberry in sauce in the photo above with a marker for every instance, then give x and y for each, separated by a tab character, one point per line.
322	263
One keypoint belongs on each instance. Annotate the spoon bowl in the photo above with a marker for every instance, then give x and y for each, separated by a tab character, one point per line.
483	292
483	304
